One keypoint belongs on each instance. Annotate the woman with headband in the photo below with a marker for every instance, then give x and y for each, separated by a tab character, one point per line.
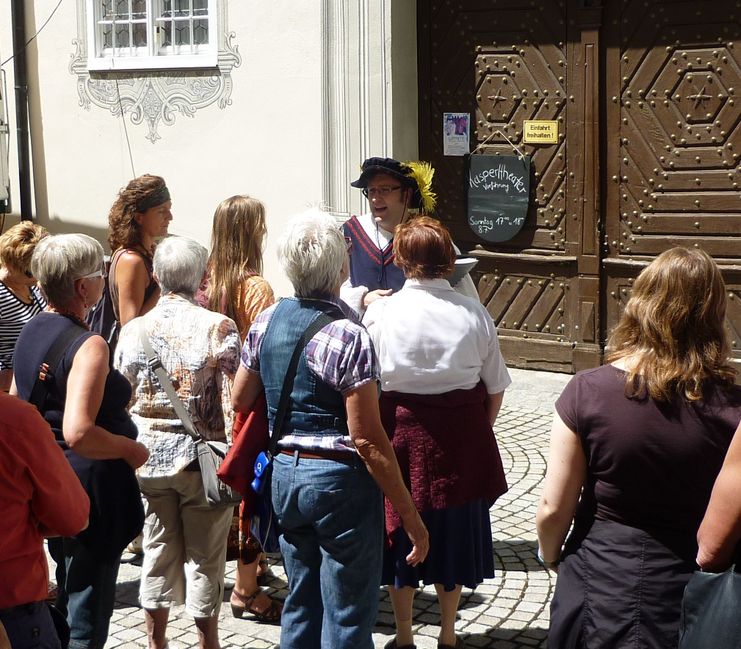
140	215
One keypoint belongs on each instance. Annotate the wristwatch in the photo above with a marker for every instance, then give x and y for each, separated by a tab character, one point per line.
548	565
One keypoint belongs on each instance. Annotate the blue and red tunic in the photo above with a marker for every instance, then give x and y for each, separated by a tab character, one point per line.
370	265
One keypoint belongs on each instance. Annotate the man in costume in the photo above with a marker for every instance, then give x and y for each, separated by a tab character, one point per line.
396	192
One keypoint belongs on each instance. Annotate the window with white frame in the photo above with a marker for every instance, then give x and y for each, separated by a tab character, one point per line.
150	34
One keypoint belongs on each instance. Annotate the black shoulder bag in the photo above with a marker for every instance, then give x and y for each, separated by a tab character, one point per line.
264	461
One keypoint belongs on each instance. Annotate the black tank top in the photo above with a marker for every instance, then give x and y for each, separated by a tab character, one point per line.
33	344
116	512
113	286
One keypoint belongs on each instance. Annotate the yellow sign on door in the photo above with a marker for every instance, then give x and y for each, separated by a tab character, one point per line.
540	131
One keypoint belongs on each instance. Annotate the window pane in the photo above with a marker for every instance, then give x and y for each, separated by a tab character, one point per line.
182	33
200	7
122	35
182	26
140	35
166	33
182	8
200	32
179	27
139	9
122	9
122	24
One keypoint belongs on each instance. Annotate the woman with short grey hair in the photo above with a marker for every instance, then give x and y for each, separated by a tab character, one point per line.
179	264
85	405
312	253
184	539
333	458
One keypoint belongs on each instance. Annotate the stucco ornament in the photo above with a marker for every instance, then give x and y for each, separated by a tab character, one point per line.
155	97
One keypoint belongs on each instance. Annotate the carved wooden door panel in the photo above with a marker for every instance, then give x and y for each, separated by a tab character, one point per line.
645	96
673	141
506	61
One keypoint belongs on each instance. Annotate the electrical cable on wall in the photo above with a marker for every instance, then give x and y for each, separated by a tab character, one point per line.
126	130
30	40
120	103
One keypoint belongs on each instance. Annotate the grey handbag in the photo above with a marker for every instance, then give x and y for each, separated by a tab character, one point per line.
711	611
210	453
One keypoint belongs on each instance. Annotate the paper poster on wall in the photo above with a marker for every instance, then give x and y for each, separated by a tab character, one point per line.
456	133
498	195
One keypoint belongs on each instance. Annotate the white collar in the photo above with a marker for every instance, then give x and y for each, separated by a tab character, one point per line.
423	283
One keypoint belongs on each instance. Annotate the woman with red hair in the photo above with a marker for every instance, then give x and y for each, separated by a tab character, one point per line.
442	381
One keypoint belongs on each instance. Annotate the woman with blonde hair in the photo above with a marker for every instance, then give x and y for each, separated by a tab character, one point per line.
236	289
635	448
20	297
139	216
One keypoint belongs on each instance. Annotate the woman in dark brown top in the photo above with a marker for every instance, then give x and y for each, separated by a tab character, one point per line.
140	215
635	448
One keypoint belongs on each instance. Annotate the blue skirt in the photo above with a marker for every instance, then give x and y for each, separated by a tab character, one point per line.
461	550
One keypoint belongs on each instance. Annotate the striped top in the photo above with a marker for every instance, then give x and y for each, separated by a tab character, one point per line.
14	314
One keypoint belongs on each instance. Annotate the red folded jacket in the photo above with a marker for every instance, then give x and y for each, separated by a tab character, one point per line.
250	437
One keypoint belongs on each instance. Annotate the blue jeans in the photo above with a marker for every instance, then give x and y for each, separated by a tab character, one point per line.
87	589
331	517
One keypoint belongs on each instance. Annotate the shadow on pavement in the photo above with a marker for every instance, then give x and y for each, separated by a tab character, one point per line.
524	638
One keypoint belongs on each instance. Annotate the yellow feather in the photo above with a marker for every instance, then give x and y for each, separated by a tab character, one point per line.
422	173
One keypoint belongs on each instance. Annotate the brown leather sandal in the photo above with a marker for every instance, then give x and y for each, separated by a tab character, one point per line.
263	571
269	614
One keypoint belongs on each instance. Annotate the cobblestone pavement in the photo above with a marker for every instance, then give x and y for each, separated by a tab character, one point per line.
507	612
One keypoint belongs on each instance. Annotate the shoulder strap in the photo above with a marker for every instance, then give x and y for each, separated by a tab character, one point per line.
47	368
314	327
164	379
153	361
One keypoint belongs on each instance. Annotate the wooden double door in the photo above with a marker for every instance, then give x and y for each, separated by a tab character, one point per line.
646	97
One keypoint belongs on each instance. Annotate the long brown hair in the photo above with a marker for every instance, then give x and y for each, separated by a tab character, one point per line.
123	230
236	251
673	328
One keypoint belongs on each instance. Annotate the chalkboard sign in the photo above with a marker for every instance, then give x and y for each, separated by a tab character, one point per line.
498	195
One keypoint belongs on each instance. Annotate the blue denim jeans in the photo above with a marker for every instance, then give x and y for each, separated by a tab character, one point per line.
331	517
87	589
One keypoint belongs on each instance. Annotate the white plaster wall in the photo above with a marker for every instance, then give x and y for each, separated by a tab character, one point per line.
266	143
371	91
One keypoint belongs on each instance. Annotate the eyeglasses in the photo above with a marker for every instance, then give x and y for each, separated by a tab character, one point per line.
348	244
97	273
381	192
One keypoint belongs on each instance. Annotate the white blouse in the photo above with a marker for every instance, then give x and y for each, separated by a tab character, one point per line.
431	339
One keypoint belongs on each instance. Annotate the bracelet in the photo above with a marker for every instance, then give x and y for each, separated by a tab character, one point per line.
548	565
